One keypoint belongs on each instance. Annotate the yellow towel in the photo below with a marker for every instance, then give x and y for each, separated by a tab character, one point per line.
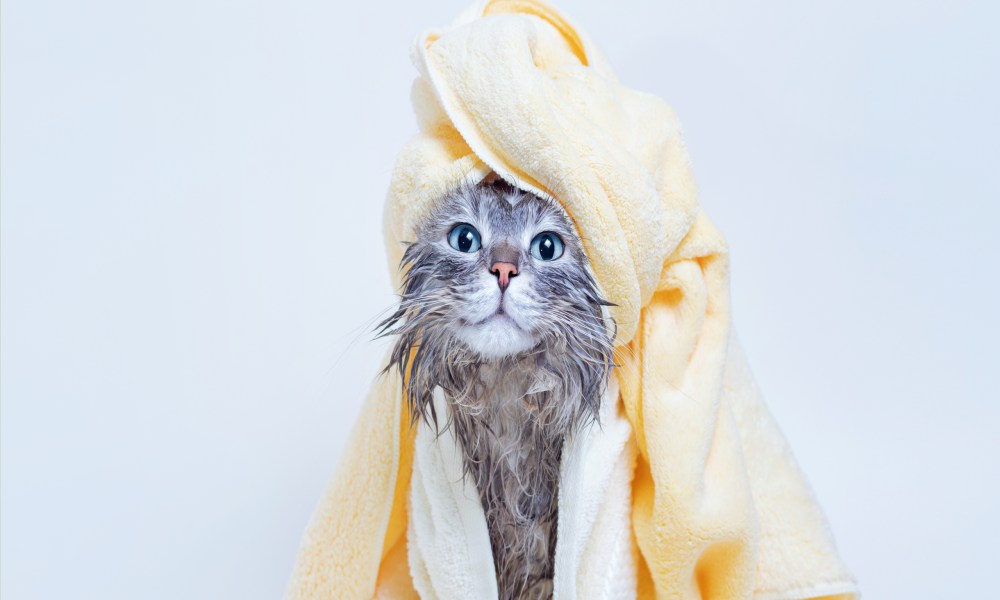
720	509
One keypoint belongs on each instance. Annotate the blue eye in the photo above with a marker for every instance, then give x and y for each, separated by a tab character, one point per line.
464	238
547	246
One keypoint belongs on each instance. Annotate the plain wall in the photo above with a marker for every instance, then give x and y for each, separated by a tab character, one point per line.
192	261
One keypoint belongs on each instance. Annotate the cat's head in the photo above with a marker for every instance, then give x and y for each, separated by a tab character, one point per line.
497	273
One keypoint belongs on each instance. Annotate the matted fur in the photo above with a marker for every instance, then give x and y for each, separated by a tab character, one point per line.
516	385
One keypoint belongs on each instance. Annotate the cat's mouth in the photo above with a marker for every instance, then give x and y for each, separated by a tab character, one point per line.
499	316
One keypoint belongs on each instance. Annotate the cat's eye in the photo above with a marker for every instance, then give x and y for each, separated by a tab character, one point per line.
547	246
464	238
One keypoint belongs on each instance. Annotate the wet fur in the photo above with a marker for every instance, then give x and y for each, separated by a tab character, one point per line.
513	399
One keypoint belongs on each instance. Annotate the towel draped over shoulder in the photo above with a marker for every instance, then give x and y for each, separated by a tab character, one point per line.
720	509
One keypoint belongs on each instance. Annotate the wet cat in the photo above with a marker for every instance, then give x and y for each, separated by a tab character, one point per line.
499	309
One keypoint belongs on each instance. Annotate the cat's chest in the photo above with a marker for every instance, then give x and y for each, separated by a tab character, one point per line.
511	429
449	547
507	406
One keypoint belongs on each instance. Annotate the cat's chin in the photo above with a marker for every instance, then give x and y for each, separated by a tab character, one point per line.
496	338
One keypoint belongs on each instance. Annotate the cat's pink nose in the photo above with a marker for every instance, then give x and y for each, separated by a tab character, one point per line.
504	271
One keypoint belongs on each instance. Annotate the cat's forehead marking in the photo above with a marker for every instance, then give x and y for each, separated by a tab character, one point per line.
514	199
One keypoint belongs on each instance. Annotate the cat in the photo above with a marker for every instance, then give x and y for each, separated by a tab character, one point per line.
499	309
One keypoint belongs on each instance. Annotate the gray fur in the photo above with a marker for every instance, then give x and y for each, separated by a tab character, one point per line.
511	404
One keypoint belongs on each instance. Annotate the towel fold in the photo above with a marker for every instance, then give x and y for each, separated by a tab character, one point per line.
719	508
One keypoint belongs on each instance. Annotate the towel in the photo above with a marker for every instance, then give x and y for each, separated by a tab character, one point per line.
718	507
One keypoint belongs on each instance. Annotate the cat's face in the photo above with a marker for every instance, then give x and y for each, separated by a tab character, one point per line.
501	271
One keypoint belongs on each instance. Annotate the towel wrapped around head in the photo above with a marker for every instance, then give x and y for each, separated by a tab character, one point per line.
719	507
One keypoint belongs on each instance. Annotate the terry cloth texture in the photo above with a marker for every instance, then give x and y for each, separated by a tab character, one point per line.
719	508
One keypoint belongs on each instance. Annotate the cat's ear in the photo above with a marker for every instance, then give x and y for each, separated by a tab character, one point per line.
491	178
494	181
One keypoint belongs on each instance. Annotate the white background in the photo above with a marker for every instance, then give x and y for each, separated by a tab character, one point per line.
192	257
